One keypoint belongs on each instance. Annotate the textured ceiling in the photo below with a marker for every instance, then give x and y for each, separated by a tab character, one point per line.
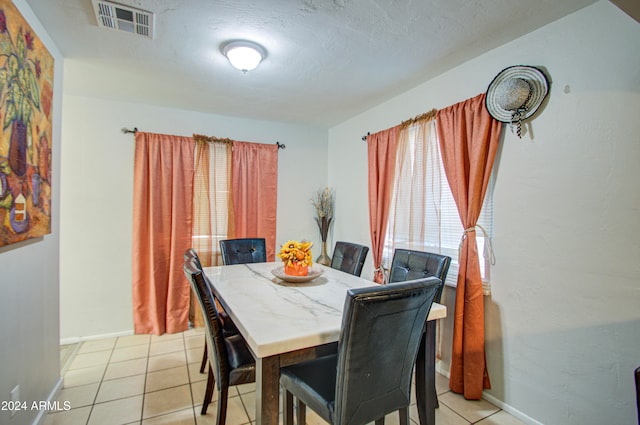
327	60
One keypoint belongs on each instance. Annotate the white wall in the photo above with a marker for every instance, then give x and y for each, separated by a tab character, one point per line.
29	282
563	323
97	198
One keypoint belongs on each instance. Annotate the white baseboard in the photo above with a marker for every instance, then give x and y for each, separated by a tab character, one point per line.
77	339
491	399
53	396
510	409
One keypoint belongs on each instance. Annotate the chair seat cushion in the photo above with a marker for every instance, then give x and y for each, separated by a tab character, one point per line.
241	362
314	383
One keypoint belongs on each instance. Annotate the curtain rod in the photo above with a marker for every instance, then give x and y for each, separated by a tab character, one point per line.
426	116
135	130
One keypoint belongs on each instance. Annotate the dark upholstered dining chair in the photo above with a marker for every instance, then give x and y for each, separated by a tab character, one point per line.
349	257
409	264
371	374
228	327
229	355
243	251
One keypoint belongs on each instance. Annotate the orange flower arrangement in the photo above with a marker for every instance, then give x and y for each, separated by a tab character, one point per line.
296	257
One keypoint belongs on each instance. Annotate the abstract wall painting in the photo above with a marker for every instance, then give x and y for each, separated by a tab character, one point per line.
26	95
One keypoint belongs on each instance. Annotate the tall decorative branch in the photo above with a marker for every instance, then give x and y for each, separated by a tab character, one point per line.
323	201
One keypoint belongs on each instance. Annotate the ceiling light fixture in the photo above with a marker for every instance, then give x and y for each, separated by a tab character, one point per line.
244	55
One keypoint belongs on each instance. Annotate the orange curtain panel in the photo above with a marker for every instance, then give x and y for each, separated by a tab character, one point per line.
381	152
163	185
254	182
469	140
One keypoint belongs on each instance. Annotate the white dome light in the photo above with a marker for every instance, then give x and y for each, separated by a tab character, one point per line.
244	55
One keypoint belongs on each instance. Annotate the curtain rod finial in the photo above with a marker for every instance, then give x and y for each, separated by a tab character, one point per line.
281	145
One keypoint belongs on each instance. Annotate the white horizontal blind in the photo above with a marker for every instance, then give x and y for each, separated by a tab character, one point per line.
423	215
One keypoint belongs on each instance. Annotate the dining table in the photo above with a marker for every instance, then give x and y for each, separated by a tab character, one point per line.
285	323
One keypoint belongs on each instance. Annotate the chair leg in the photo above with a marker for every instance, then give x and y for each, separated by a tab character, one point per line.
404	416
203	364
302	413
287	408
208	395
222	406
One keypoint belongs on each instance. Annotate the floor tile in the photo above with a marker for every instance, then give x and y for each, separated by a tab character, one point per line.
249	402
166	361
446	416
130	353
501	418
69	417
67	352
182	417
166	401
236	413
97	345
442	384
83	376
245	388
314	419
194	331
79	396
194	373
168	346
471	410
121	411
199	388
121	388
129	340
167	378
194	355
166	337
81	361
196	341
126	368
174	388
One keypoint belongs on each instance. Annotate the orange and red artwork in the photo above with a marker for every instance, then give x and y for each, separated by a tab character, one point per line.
26	94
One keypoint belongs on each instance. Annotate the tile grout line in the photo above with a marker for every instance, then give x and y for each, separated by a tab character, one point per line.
193	402
104	372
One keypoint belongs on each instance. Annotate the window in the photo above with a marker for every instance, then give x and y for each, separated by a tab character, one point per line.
423	215
211	200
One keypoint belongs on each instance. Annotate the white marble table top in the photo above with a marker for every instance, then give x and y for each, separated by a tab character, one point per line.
277	317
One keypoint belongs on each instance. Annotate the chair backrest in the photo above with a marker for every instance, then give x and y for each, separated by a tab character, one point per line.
349	257
243	251
215	339
409	265
381	331
192	254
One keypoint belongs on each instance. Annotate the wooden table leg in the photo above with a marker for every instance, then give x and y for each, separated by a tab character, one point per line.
267	390
425	369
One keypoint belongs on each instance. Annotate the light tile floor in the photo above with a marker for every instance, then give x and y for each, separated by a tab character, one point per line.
151	380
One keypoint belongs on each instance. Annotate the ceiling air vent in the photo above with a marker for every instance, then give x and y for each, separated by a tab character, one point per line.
124	18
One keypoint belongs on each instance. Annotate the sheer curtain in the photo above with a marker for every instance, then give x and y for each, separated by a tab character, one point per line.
212	212
254	175
163	179
415	215
469	141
